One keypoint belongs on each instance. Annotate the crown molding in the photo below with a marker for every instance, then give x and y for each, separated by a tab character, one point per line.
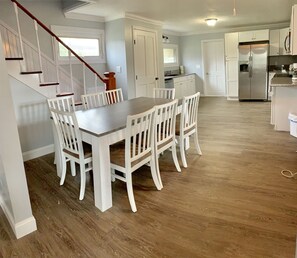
237	29
143	19
84	17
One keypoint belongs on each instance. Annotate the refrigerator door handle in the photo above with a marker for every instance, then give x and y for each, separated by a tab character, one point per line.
250	66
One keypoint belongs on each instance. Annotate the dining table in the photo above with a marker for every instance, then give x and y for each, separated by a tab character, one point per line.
102	127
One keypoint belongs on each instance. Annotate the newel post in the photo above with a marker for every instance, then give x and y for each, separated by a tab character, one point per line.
110	80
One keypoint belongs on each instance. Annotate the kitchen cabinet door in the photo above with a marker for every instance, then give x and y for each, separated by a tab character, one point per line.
274	41
231	45
255	35
232	79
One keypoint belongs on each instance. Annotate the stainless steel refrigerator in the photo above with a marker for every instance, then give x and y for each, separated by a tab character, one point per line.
253	71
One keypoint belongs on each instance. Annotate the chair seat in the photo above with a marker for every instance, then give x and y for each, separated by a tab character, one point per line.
117	155
87	151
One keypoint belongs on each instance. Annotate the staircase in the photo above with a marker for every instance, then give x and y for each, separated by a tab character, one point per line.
45	74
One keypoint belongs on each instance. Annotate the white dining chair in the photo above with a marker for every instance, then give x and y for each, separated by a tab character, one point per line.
165	93
114	96
65	103
73	149
137	151
165	132
94	100
187	124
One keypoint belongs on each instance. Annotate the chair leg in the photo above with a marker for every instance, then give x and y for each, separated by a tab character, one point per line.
197	143
156	173
63	169
130	192
73	168
174	156
112	172
182	151
82	182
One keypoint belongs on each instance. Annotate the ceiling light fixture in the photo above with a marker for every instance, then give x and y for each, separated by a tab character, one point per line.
211	21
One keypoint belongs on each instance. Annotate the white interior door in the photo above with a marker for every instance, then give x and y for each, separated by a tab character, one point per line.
214	67
145	62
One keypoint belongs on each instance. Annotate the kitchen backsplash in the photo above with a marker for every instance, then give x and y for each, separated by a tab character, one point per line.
279	62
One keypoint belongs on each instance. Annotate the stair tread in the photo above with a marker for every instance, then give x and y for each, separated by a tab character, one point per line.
13	58
65	94
48	84
31	72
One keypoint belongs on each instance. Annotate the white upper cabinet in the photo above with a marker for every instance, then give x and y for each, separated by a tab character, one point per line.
231	45
274	43
255	35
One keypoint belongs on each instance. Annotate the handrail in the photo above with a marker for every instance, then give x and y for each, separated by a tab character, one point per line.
56	37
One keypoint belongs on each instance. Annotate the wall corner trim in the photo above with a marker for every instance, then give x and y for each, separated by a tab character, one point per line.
21	228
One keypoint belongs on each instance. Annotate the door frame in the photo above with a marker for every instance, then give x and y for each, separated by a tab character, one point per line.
157	52
202	57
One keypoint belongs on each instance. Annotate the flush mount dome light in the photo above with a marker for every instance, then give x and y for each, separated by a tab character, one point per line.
211	21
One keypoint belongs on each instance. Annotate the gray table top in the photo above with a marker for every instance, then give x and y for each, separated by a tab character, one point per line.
104	120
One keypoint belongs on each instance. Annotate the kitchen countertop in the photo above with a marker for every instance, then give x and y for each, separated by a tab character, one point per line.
169	77
282	82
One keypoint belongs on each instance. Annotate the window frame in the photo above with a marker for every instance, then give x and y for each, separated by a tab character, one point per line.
175	48
78	32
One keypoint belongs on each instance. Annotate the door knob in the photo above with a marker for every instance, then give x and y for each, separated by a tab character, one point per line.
156	78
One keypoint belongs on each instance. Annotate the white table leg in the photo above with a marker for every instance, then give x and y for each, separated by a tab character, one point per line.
101	173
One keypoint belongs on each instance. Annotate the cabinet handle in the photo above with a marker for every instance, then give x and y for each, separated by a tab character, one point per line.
156	78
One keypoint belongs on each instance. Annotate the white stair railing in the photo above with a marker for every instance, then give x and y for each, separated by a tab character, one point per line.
36	60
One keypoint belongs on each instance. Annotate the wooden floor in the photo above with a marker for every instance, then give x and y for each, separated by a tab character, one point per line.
230	202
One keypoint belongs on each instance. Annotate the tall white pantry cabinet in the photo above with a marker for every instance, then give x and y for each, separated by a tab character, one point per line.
231	58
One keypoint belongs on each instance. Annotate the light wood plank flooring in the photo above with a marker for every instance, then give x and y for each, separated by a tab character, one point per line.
230	202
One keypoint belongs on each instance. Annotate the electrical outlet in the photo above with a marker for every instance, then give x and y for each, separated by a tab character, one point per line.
119	69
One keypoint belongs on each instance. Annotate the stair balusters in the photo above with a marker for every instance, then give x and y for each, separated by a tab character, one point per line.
41	78
22	63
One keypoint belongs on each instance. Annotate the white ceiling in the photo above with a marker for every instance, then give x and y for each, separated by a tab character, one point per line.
187	16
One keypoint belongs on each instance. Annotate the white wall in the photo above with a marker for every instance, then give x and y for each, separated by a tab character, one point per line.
191	55
14	196
119	41
32	117
116	52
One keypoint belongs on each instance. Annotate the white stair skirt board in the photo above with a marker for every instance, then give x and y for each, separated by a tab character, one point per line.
21	228
32	154
30	80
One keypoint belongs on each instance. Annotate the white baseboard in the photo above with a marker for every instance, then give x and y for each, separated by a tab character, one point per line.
22	228
28	155
233	98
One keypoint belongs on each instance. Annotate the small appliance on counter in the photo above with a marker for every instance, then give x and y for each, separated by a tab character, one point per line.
294	74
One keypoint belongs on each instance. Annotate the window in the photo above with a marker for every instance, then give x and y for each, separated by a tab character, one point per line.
83	47
87	43
170	53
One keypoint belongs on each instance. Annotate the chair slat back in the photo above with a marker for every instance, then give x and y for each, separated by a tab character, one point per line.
189	111
164	93
139	136
165	122
68	131
94	100
62	103
114	96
